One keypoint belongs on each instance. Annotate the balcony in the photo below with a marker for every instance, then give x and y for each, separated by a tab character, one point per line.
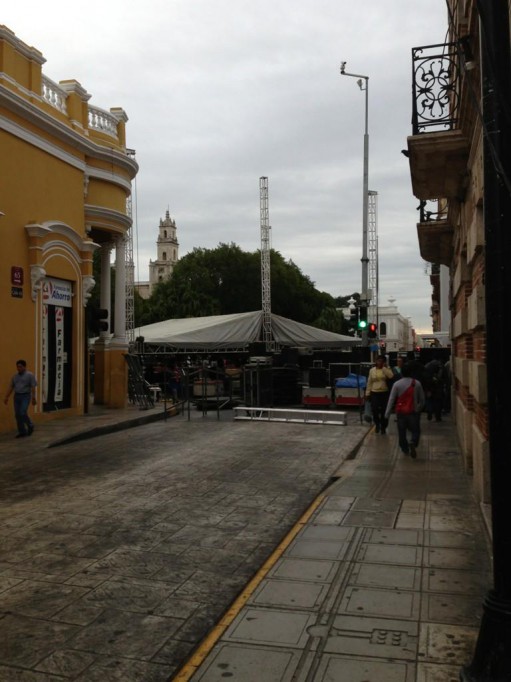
435	232
437	149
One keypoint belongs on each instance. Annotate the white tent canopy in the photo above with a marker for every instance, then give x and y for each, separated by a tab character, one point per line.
222	332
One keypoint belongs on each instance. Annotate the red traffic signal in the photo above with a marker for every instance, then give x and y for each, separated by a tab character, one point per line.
372	330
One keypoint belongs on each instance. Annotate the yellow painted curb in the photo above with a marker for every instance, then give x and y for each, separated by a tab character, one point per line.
197	658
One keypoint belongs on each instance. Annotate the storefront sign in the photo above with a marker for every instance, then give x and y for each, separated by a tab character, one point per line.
58	292
16	292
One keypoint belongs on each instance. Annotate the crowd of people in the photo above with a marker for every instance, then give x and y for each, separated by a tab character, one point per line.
408	389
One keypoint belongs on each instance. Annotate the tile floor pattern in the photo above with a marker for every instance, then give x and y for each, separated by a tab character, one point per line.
384	584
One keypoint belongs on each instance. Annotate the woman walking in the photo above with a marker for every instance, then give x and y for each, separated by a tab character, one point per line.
377	392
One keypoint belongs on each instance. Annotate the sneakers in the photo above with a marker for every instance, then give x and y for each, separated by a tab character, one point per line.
413	451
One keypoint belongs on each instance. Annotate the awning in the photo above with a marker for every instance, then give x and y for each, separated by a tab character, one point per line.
237	331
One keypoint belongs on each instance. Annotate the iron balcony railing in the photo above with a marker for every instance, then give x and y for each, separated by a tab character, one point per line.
436	88
433	210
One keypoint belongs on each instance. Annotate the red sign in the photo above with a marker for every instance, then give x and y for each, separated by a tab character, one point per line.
16	275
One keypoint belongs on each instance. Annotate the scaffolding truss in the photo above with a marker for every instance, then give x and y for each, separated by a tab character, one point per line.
372	239
265	264
130	269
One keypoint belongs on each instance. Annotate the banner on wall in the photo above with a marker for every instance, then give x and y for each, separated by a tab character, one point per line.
44	344
59	354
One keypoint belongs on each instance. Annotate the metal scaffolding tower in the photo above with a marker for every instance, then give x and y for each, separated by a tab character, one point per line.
130	269
372	234
265	264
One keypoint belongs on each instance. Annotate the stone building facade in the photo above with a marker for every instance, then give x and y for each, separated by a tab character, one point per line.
445	152
395	331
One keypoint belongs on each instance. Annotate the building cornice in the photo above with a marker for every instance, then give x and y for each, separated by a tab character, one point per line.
44	121
52	227
21	47
41	143
98	213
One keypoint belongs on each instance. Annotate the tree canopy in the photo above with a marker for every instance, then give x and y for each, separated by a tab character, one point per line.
227	280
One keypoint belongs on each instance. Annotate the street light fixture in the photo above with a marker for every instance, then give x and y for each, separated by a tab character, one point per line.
363	84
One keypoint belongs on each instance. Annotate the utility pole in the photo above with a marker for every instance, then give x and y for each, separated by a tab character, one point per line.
492	657
365	299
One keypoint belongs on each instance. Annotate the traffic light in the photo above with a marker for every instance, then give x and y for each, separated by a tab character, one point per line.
362	318
353	320
98	320
372	331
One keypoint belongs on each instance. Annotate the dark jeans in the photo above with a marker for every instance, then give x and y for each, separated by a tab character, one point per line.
21	403
378	406
408	422
434	407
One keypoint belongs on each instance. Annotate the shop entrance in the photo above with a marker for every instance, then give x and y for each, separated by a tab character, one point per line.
57	334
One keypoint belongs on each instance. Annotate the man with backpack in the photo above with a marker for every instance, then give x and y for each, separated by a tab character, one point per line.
408	395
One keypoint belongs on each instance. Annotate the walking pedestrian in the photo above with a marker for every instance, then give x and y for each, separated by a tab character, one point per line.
23	384
377	391
408	395
400	361
434	387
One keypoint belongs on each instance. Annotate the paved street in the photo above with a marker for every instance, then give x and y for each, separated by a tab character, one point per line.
119	553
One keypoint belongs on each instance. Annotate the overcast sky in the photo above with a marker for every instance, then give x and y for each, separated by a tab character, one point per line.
221	92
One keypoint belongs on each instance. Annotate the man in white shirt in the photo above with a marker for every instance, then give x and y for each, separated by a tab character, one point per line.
23	384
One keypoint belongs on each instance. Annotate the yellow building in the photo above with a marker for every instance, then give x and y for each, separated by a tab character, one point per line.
65	177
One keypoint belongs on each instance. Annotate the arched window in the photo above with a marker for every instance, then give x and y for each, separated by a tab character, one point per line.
383	329
175	256
164	255
165	233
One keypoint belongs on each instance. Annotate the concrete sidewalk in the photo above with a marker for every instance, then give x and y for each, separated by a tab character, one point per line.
382	581
99	421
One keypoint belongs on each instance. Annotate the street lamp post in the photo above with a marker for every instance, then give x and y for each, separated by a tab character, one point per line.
363	84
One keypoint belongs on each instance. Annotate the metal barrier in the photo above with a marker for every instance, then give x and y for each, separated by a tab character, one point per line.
275	414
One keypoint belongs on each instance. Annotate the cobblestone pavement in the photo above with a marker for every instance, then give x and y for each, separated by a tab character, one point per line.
118	554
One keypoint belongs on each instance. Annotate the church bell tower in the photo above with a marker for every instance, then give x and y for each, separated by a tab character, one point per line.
167	252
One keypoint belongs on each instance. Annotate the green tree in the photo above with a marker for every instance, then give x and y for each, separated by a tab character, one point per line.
227	280
332	320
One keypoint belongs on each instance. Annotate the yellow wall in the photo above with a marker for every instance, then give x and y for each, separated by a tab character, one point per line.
45	188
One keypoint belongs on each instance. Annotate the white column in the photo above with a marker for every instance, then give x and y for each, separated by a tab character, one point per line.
120	291
105	293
